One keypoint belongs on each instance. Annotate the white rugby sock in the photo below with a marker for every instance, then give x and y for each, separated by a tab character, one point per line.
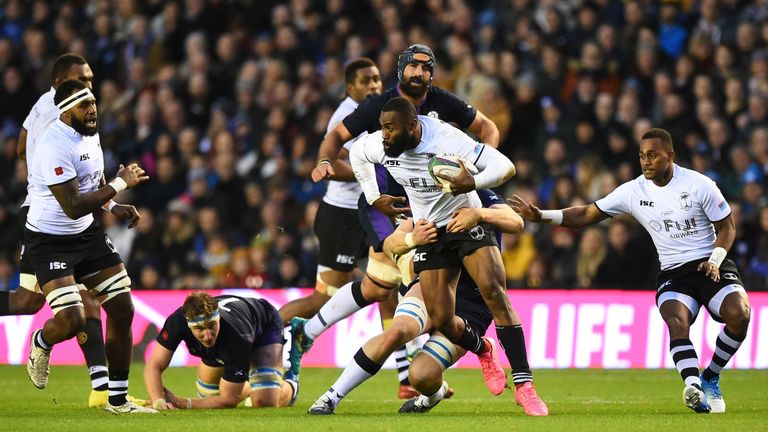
341	305
357	372
436	397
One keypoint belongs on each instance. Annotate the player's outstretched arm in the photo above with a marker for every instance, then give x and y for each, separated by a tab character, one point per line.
572	217
342	169
500	215
329	151
77	205
485	129
153	376
408	236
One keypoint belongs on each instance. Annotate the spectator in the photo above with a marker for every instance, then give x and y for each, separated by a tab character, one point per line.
225	102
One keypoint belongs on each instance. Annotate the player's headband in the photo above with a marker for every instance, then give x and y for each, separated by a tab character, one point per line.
75	99
200	319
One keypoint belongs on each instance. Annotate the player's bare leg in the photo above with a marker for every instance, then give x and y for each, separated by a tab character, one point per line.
735	311
387	312
377	285
426	374
678	318
372	355
68	319
22	301
207	382
486	268
111	287
268	389
439	289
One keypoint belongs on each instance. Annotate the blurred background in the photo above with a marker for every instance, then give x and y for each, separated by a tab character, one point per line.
225	103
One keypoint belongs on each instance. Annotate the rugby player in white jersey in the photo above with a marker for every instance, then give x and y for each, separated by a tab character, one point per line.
65	246
29	299
411	318
415	72
337	226
690	223
403	146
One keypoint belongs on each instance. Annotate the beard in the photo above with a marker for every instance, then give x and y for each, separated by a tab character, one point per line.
415	87
80	127
398	145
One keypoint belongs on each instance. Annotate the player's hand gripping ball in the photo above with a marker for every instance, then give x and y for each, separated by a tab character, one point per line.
447	164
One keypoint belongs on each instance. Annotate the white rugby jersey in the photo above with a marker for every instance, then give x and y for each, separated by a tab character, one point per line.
339	193
61	155
678	216
427	199
42	115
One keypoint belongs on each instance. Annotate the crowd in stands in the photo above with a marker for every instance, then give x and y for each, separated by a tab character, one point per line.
225	102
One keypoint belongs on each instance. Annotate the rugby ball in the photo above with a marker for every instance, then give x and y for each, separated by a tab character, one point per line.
447	164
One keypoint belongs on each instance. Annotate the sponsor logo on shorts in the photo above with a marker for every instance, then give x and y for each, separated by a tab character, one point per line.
345	259
730	276
55	265
110	245
420	257
477	233
664	284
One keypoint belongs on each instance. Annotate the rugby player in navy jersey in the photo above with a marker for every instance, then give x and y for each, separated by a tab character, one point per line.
240	342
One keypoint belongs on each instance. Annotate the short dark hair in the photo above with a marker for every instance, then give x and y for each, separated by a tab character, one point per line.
663	135
401	106
350	72
66	89
62	65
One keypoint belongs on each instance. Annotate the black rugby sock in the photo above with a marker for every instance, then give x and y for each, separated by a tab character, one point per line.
91	341
512	340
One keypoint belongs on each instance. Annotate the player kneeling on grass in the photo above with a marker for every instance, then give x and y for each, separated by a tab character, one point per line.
240	342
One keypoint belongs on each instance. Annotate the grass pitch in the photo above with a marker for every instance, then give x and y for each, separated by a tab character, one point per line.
605	400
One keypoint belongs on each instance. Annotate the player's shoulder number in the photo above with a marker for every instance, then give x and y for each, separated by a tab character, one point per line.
223	303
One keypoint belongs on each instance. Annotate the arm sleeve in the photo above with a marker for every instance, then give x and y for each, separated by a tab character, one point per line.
364	169
617	202
457	111
366	114
57	166
495	168
713	202
172	332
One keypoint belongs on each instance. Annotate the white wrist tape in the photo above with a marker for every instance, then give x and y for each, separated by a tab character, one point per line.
109	206
553	217
189	403
159	403
409	240
718	255
118	184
